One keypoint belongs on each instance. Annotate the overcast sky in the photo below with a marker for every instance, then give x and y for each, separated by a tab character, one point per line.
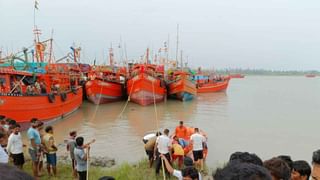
270	34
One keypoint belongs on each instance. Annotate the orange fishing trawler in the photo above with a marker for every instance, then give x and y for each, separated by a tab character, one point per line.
181	86
49	96
106	83
105	86
146	84
38	89
205	84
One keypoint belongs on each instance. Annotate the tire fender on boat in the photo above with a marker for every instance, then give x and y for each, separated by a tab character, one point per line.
63	96
51	98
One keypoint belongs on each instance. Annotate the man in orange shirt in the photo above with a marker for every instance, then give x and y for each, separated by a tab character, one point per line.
181	134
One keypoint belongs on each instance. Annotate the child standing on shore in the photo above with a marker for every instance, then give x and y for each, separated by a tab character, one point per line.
81	157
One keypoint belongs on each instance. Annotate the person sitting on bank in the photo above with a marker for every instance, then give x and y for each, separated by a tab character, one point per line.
51	150
149	147
163	146
189	172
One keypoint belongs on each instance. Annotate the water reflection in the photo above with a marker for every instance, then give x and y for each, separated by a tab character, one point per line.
255	114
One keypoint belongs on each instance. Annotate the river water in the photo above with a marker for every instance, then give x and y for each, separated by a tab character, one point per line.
267	115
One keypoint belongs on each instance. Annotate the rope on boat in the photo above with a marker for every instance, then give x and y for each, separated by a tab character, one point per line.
92	118
17	85
125	106
157	124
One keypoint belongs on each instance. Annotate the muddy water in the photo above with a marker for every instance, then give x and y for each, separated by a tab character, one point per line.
266	115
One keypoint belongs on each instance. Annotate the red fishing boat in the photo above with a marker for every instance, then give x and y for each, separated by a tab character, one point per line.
105	86
106	83
146	84
50	96
236	76
38	89
310	75
205	84
181	86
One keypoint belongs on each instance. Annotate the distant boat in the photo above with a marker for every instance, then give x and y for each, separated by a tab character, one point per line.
310	75
146	85
236	76
205	84
181	86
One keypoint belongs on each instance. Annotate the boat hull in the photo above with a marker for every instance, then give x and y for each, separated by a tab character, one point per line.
101	92
213	87
144	90
236	76
24	108
182	89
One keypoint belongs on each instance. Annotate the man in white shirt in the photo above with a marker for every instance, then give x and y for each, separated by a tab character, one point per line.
197	141
4	158
187	173
163	146
15	147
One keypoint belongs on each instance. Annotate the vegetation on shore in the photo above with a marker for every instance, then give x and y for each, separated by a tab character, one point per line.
264	72
125	171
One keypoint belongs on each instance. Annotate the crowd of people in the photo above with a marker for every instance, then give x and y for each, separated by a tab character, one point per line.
41	145
185	145
166	149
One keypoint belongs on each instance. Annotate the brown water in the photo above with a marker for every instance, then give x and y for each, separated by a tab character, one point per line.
266	115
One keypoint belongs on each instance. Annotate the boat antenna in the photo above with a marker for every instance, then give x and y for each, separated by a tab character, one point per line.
50	52
36	4
147	56
177	48
181	61
111	57
126	55
167	48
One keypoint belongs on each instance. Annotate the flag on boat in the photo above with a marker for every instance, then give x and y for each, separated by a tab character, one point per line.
36	4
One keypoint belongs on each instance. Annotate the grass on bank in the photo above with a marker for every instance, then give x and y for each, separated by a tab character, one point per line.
125	171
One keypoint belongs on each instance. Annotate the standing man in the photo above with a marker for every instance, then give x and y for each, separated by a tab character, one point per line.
51	149
163	146
4	158
70	147
15	147
197	141
35	142
181	132
149	147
